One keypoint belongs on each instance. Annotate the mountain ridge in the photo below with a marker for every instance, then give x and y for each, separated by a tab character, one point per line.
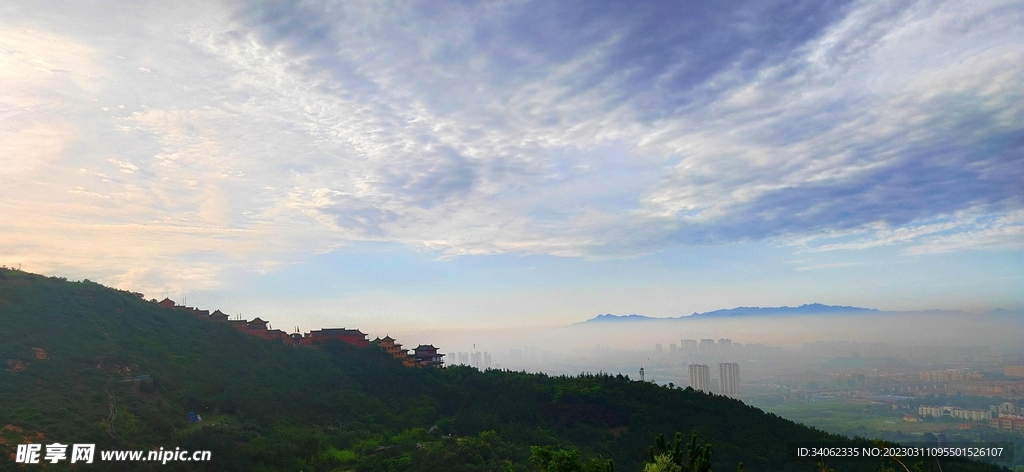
781	311
742	311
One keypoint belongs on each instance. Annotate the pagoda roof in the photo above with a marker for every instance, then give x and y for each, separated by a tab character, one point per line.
388	338
338	331
257	320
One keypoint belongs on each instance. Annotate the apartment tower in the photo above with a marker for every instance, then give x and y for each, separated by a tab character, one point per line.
728	378
700	377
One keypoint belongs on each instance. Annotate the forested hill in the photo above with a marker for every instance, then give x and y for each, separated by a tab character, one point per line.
69	351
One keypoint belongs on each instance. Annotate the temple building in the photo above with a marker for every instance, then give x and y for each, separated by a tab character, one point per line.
393	348
425	355
241	325
256	325
351	336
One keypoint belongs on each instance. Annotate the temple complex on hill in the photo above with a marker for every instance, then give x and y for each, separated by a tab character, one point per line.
395	350
424	355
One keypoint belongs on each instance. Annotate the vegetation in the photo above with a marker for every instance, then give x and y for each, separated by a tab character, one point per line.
82	363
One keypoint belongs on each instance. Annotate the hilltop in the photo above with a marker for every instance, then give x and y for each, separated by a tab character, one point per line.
83	363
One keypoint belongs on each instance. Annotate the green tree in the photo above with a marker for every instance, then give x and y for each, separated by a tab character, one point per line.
696	459
662	463
551	459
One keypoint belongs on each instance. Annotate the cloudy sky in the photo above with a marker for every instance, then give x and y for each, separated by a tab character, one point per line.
514	163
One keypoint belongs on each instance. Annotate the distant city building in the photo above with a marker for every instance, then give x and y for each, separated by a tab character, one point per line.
954	412
673	349
1013	370
728	378
700	377
1005	407
724	344
948	375
706	346
658	349
1006	410
971	415
1007	424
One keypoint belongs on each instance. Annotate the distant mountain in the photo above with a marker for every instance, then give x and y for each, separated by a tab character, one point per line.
743	311
809	309
1005	312
611	317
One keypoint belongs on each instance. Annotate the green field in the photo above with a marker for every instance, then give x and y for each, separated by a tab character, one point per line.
844	415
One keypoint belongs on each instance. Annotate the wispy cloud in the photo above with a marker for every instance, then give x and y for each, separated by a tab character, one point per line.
835	265
246	134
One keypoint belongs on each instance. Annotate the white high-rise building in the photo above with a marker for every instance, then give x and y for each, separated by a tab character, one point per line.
728	378
700	377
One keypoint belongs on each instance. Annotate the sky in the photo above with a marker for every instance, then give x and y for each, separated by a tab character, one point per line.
502	164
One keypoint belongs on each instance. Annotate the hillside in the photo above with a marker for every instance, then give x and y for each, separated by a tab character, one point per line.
70	349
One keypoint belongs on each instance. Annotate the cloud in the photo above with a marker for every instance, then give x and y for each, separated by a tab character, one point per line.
249	134
787	138
835	265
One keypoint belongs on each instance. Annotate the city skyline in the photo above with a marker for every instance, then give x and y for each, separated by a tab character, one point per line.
512	165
